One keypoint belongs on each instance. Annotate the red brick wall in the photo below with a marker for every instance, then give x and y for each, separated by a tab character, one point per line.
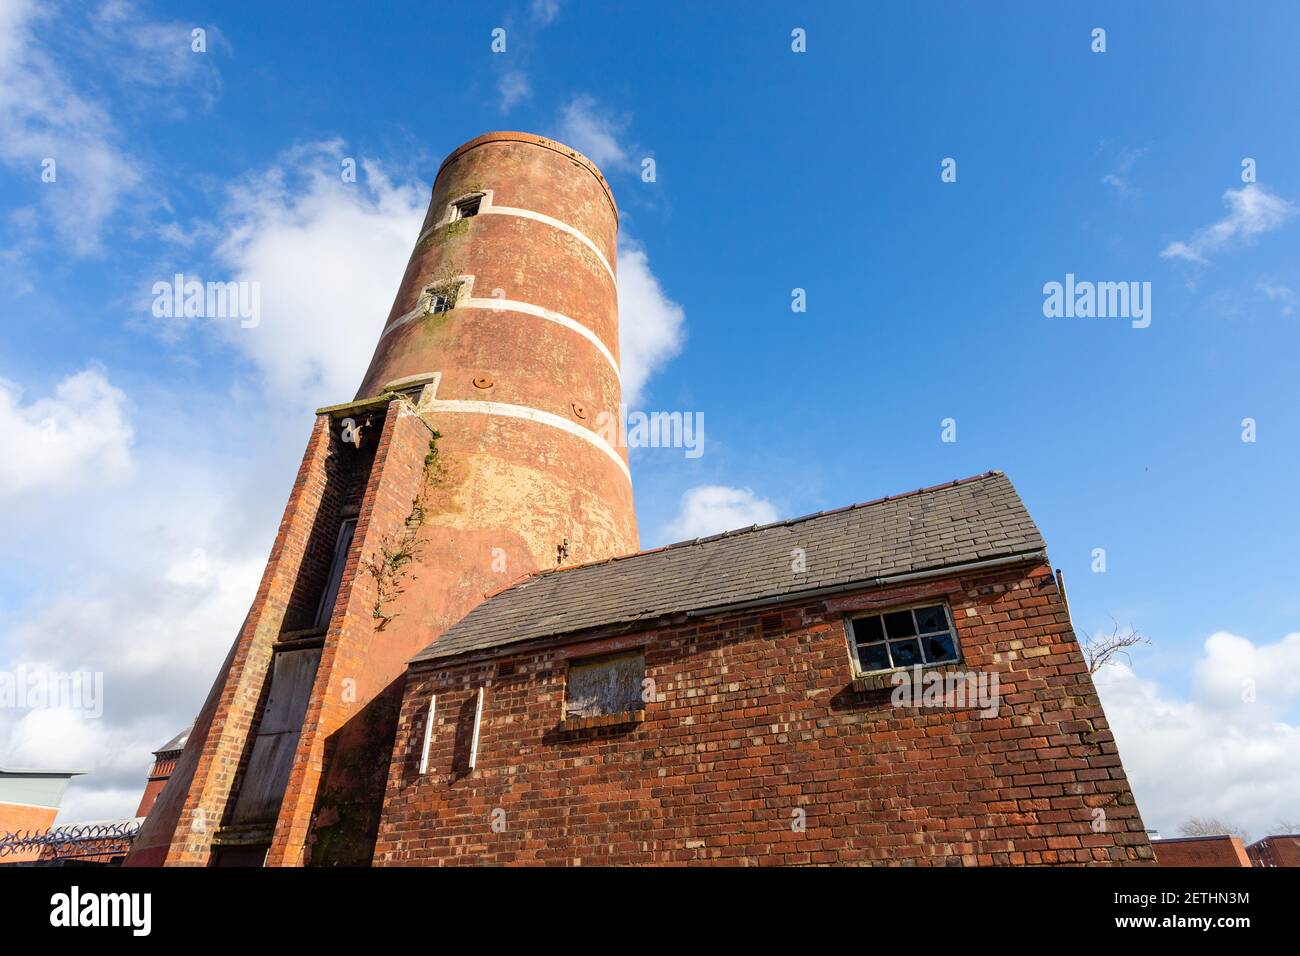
759	719
158	776
17	816
1281	850
1201	851
358	662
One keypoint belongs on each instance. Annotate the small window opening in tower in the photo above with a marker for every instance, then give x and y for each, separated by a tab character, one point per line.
440	298
464	208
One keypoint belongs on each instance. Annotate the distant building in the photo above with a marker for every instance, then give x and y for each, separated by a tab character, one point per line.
699	703
164	762
29	801
1221	850
1277	850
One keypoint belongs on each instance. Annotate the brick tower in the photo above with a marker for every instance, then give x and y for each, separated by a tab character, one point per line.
472	454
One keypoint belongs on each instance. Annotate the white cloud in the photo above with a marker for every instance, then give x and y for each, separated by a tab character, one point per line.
51	104
1252	211
651	325
329	257
513	87
1119	176
162	573
1284	295
710	509
545	11
595	132
43	115
1228	751
77	437
157	57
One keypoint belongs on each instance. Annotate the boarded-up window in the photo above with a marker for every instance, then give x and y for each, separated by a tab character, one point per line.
325	610
293	673
605	685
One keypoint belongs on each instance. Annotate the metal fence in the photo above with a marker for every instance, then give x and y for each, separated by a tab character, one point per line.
102	844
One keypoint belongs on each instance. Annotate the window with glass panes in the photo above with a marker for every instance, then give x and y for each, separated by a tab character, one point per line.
903	638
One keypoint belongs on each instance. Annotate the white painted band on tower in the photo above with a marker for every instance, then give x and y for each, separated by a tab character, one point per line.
486	208
473	406
526	308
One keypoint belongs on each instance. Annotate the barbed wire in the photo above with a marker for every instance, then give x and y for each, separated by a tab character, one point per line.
84	839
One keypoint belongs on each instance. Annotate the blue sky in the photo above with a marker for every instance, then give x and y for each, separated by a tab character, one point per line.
143	513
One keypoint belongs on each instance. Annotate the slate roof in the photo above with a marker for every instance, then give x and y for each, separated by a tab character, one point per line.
176	744
958	523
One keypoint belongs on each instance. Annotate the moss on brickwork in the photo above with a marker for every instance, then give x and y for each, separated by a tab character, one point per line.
390	567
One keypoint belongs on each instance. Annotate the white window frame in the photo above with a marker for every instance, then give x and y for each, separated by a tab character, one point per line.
478	723
428	733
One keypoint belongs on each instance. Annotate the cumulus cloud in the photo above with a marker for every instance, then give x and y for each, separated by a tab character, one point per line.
44	116
147	603
76	437
513	87
1252	211
328	256
710	509
50	107
594	131
1230	750
652	327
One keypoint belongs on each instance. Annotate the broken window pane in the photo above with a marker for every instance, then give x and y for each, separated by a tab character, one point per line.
930	619
905	653
873	657
868	629
940	647
899	624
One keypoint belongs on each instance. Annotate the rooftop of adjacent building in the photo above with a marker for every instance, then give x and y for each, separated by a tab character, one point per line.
967	524
36	787
174	746
1274	838
1222	849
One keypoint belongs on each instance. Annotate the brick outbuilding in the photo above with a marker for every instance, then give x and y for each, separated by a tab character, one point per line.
744	699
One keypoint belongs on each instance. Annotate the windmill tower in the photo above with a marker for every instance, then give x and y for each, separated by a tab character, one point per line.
476	450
